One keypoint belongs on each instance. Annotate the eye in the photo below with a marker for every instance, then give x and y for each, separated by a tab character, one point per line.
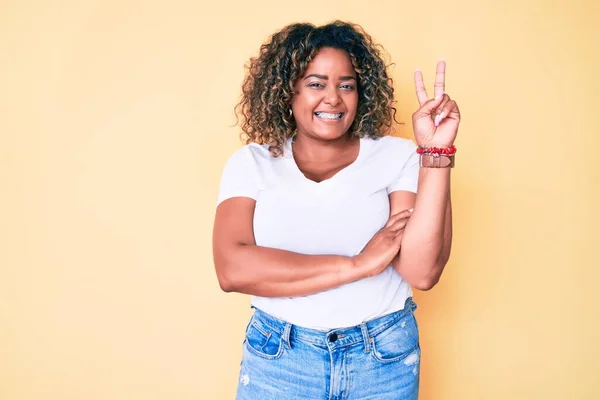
347	87
316	85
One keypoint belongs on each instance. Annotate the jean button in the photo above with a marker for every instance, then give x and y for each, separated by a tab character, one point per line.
333	337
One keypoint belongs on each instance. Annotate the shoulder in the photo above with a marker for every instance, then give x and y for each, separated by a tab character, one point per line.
390	148
241	175
251	149
250	154
395	161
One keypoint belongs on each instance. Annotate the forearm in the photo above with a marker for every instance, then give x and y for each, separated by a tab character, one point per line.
427	237
269	272
447	243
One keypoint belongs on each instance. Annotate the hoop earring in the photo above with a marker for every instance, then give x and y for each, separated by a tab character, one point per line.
291	112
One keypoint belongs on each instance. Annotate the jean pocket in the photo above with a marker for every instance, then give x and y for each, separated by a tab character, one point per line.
397	342
263	341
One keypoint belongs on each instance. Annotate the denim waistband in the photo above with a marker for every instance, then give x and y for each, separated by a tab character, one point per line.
342	336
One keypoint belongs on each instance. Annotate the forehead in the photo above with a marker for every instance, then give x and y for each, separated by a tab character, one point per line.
332	61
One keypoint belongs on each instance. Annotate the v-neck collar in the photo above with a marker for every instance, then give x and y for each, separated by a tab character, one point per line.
289	153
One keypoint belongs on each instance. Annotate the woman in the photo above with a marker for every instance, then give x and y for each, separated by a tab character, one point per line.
319	218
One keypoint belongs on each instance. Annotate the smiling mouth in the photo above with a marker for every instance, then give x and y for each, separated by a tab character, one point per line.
329	116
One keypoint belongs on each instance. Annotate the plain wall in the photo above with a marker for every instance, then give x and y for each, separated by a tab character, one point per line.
116	119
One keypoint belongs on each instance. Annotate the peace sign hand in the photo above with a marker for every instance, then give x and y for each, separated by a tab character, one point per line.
435	123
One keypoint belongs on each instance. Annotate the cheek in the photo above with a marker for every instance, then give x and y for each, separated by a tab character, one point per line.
306	101
352	104
352	107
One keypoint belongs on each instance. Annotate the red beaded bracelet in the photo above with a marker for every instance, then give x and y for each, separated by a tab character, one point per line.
449	151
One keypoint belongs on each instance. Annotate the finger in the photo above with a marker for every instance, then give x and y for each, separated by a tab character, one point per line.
430	106
390	222
403	213
394	218
445	100
449	109
420	87
400	223
437	114
398	234
440	79
455	112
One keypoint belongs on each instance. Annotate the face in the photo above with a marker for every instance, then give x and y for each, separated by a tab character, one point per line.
326	97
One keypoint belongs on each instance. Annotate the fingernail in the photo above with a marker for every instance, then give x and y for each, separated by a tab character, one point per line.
410	209
438	119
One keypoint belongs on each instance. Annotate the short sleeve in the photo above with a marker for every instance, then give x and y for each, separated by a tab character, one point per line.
408	176
239	177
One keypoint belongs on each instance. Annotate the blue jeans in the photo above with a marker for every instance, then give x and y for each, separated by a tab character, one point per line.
377	360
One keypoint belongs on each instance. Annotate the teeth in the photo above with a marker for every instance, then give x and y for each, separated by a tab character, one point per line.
328	116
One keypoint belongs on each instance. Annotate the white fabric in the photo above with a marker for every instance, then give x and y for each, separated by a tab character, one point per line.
336	216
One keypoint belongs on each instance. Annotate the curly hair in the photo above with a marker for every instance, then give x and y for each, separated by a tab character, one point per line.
268	87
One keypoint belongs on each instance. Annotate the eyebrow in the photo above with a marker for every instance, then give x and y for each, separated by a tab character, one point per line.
325	77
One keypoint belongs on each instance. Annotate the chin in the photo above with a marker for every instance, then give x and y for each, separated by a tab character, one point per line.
331	133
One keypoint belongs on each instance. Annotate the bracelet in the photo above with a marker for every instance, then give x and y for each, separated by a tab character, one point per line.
450	151
436	157
436	161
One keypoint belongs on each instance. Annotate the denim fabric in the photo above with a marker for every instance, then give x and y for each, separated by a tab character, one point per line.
377	360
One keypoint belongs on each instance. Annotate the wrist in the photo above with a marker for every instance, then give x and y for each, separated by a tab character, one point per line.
437	144
436	157
358	267
436	161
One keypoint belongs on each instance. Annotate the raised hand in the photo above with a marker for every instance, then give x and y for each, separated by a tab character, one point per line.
435	123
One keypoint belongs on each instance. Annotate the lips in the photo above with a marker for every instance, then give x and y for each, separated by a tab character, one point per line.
329	116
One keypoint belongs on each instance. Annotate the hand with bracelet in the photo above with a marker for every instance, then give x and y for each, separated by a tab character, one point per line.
435	123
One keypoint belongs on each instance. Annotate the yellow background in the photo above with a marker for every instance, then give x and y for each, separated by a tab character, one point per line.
116	119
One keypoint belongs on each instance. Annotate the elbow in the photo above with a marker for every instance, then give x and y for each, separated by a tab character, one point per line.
226	278
426	284
230	276
226	285
422	275
429	280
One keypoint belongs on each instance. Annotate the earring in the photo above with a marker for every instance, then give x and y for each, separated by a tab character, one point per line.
290	112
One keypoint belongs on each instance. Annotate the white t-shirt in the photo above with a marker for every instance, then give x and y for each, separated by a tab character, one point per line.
337	216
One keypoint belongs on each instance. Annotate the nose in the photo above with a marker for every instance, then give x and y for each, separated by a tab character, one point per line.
332	96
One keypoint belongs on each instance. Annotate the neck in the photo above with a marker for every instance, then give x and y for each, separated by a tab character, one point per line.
318	150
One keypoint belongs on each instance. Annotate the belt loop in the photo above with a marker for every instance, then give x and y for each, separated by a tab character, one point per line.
286	335
410	305
366	338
